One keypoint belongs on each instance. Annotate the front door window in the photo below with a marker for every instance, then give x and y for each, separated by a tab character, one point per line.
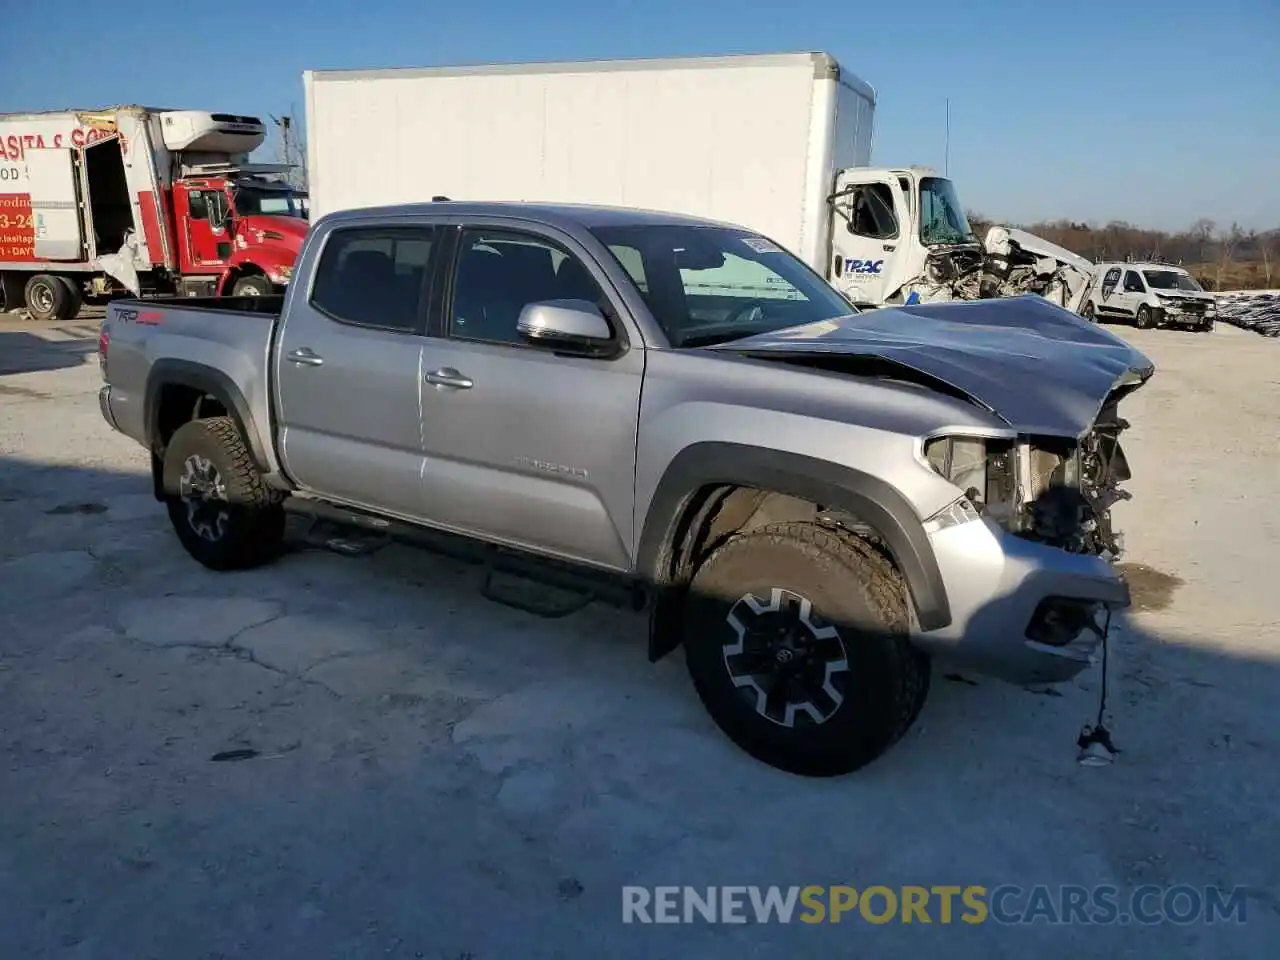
209	227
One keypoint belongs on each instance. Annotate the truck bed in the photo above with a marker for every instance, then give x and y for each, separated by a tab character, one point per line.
177	341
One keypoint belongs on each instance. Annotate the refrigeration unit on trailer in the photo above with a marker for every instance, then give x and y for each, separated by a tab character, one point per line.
95	202
780	143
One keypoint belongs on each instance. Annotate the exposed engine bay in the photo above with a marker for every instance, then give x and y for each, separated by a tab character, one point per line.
1046	489
1008	263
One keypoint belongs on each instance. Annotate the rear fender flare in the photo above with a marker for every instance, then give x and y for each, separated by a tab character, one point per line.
215	383
830	485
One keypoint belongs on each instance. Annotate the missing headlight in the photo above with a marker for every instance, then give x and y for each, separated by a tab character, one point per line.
982	468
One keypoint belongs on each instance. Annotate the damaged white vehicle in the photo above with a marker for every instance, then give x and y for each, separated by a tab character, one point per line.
902	237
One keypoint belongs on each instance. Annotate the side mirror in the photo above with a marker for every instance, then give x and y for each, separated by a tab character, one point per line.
574	324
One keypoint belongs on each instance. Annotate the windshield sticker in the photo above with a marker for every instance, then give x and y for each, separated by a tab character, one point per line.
761	245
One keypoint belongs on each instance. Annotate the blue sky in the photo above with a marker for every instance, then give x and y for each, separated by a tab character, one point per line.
1153	112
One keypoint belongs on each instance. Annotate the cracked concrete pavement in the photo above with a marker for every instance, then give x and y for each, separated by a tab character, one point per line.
434	775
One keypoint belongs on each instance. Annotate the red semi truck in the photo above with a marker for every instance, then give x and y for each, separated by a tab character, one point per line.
143	200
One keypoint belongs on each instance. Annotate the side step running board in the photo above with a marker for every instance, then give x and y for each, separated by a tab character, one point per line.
359	533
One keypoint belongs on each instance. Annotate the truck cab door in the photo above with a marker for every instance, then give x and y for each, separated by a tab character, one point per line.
1131	294
526	445
868	238
348	371
53	220
203	229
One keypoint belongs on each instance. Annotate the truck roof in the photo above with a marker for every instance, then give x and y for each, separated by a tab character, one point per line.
554	214
824	65
91	111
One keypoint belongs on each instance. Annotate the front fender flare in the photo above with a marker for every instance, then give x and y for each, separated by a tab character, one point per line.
830	485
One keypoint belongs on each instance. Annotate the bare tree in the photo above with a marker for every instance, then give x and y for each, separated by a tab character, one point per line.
1267	250
1228	242
1201	234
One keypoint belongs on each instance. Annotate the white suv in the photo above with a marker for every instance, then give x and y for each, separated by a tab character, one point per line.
1151	295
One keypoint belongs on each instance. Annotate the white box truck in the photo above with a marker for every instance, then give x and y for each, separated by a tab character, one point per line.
140	199
779	143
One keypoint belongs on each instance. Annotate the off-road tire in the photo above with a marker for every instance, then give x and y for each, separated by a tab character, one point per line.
1090	313
851	586
1207	326
253	286
1144	320
47	297
255	521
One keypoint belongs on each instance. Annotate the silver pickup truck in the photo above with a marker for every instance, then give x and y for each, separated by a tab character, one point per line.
813	502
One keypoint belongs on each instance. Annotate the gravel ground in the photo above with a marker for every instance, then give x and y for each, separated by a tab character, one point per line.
439	776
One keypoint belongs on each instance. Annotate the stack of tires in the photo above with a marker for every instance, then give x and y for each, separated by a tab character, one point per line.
1256	310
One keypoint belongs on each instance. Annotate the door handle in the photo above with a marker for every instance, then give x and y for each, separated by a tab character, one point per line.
448	377
305	357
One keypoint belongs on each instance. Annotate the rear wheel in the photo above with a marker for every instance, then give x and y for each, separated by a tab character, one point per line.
222	512
1144	320
49	298
76	292
796	641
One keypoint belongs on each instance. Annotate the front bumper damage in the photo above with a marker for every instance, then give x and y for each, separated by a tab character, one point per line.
1030	575
1185	313
1023	611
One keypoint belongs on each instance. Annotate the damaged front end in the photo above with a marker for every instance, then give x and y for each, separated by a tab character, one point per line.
1009	263
1045	489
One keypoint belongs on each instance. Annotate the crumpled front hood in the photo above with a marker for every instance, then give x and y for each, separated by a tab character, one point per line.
1037	247
1040	368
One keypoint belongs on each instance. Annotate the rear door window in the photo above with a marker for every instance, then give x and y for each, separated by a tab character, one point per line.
375	276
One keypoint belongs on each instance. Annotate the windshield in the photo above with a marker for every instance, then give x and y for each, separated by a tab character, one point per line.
250	200
1171	280
711	284
942	219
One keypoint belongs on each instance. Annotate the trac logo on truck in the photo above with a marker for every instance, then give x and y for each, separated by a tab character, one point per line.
862	266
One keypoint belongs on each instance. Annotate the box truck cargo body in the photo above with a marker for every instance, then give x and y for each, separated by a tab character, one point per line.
138	199
778	143
751	139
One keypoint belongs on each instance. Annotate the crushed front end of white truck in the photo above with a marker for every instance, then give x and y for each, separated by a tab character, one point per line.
1008	263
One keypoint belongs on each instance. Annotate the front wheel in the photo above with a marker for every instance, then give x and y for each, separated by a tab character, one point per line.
1089	313
796	639
1144	321
254	286
222	512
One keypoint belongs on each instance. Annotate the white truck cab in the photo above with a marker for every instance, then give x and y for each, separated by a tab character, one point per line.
890	223
1149	295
